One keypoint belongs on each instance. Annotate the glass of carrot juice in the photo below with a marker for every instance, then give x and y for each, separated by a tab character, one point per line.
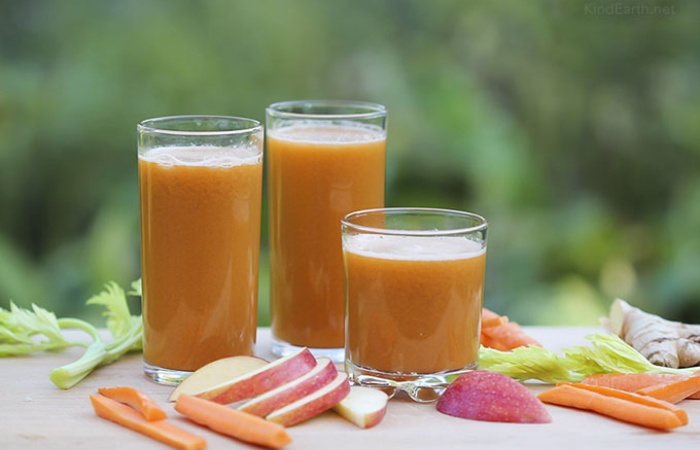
415	282
325	158
200	180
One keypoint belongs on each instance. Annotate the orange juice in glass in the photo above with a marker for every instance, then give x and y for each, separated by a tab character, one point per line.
324	160
200	180
415	281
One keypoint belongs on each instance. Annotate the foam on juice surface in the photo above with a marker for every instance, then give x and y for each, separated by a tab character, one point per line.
413	248
203	156
319	133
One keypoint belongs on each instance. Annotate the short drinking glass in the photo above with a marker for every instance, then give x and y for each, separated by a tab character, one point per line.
414	291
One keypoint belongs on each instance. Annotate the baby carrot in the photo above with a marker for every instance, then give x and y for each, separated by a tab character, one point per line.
161	430
138	400
231	422
673	391
625	410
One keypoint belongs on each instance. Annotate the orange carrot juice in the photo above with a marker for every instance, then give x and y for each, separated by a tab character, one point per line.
317	174
200	213
414	302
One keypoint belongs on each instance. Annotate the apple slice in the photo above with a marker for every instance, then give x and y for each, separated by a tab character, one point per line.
493	397
363	406
313	404
262	379
319	376
215	373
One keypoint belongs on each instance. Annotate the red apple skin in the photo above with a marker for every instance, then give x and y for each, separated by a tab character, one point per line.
313	404
319	376
262	380
493	397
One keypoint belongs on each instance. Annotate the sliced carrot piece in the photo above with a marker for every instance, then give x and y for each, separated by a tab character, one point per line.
509	335
489	342
636	398
231	422
625	410
631	382
673	391
491	319
160	430
138	400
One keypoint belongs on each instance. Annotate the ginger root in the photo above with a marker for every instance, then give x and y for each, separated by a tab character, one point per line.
663	342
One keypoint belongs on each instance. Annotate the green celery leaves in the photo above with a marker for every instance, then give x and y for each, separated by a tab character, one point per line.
24	331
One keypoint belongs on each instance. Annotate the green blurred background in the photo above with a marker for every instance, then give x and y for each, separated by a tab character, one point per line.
573	126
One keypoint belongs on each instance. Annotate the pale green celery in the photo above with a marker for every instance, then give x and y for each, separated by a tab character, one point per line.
607	354
20	330
69	375
525	363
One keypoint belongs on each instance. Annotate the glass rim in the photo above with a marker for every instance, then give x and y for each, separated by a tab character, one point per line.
482	223
369	110
151	125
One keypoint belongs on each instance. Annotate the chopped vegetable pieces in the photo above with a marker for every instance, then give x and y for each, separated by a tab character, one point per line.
138	400
673	391
499	333
161	430
618	408
231	422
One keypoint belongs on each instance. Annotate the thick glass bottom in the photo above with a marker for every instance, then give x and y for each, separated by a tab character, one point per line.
420	387
160	375
281	348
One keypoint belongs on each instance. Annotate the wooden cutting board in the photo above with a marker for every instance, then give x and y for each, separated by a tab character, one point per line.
36	415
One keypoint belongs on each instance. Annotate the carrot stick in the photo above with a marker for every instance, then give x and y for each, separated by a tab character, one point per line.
673	391
631	382
625	410
509	335
231	422
160	430
138	400
636	398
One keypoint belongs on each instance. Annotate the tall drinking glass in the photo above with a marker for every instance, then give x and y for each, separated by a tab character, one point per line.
324	160
415	282
200	181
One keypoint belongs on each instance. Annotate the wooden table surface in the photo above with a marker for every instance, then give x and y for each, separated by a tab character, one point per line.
37	415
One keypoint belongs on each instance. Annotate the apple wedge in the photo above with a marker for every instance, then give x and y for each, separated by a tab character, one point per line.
363	406
312	381
492	397
313	404
216	373
262	379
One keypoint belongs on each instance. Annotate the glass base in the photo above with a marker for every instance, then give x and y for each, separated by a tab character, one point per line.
422	388
169	377
281	348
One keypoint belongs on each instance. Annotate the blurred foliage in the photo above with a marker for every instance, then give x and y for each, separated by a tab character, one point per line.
572	126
